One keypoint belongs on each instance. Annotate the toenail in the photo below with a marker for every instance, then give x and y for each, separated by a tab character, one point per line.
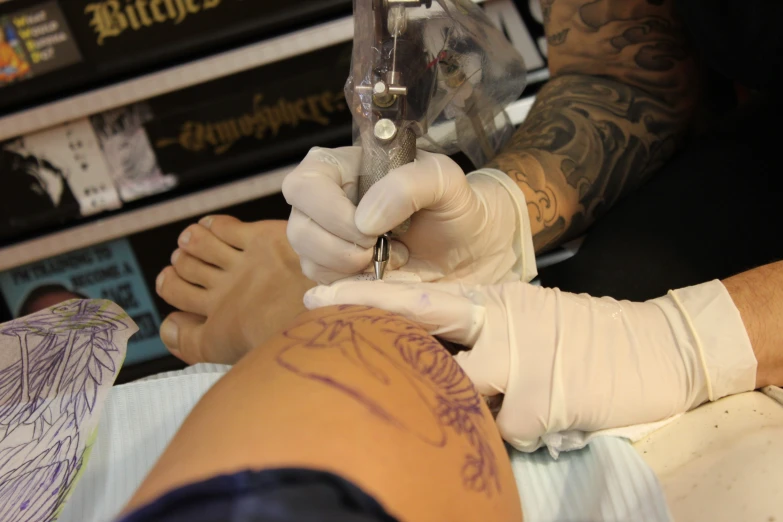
175	256
159	281
169	334
207	222
185	237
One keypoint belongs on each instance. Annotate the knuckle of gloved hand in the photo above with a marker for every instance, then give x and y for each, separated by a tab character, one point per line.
440	165
297	233
392	199
323	154
348	263
521	430
337	160
292	187
448	166
315	272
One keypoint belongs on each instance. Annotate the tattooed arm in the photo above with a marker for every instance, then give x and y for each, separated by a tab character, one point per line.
614	111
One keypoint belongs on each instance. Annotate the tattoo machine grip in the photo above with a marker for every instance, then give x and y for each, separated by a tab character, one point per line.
377	163
378	159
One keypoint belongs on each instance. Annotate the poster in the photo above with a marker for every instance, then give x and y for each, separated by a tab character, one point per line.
107	271
129	154
54	176
33	42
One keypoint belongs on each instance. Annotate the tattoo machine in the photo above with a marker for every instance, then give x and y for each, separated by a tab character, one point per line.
427	74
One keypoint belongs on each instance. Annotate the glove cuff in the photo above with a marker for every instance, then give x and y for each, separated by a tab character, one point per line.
525	267
718	334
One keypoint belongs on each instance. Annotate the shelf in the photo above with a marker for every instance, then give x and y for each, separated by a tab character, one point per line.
185	207
142	219
85	44
176	78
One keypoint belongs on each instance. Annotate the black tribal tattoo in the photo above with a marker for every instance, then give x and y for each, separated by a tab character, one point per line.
615	110
421	364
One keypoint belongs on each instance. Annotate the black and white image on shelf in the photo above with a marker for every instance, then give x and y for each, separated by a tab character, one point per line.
53	168
35	191
129	153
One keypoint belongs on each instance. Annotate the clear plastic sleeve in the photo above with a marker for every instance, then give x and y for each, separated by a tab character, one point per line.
433	72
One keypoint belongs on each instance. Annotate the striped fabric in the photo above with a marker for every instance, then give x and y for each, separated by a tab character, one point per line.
607	481
198	369
138	421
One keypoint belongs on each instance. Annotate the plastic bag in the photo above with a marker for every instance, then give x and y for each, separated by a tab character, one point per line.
436	73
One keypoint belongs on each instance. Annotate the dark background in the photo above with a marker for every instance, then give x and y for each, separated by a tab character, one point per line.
229	25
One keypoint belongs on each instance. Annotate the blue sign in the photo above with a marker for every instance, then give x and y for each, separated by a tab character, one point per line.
107	271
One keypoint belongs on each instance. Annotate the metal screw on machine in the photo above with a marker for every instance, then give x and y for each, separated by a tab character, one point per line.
385	130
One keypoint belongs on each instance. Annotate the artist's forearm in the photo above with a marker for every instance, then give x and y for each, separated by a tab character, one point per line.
758	295
620	98
587	142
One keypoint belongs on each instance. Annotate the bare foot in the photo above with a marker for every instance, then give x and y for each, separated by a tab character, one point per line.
237	285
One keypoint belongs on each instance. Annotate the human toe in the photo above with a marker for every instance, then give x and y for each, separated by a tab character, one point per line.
180	294
230	230
194	270
201	243
181	334
187	337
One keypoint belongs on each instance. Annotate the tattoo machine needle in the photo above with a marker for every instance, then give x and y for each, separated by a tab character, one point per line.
390	112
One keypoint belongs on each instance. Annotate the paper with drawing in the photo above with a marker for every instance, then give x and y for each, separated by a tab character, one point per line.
56	369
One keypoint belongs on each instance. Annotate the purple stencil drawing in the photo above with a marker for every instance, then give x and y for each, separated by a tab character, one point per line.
56	367
423	366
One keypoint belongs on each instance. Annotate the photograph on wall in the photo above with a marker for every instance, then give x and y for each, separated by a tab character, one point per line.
107	271
129	153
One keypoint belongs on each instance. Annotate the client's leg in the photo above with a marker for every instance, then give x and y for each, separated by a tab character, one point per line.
361	393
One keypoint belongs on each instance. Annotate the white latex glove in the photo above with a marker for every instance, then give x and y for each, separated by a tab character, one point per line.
472	229
570	362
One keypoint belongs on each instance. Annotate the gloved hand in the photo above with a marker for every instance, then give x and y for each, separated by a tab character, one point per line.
572	362
472	229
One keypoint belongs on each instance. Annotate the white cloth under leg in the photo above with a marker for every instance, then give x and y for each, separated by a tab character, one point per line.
138	421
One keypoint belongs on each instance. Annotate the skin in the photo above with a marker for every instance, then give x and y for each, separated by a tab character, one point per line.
758	295
361	393
619	100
